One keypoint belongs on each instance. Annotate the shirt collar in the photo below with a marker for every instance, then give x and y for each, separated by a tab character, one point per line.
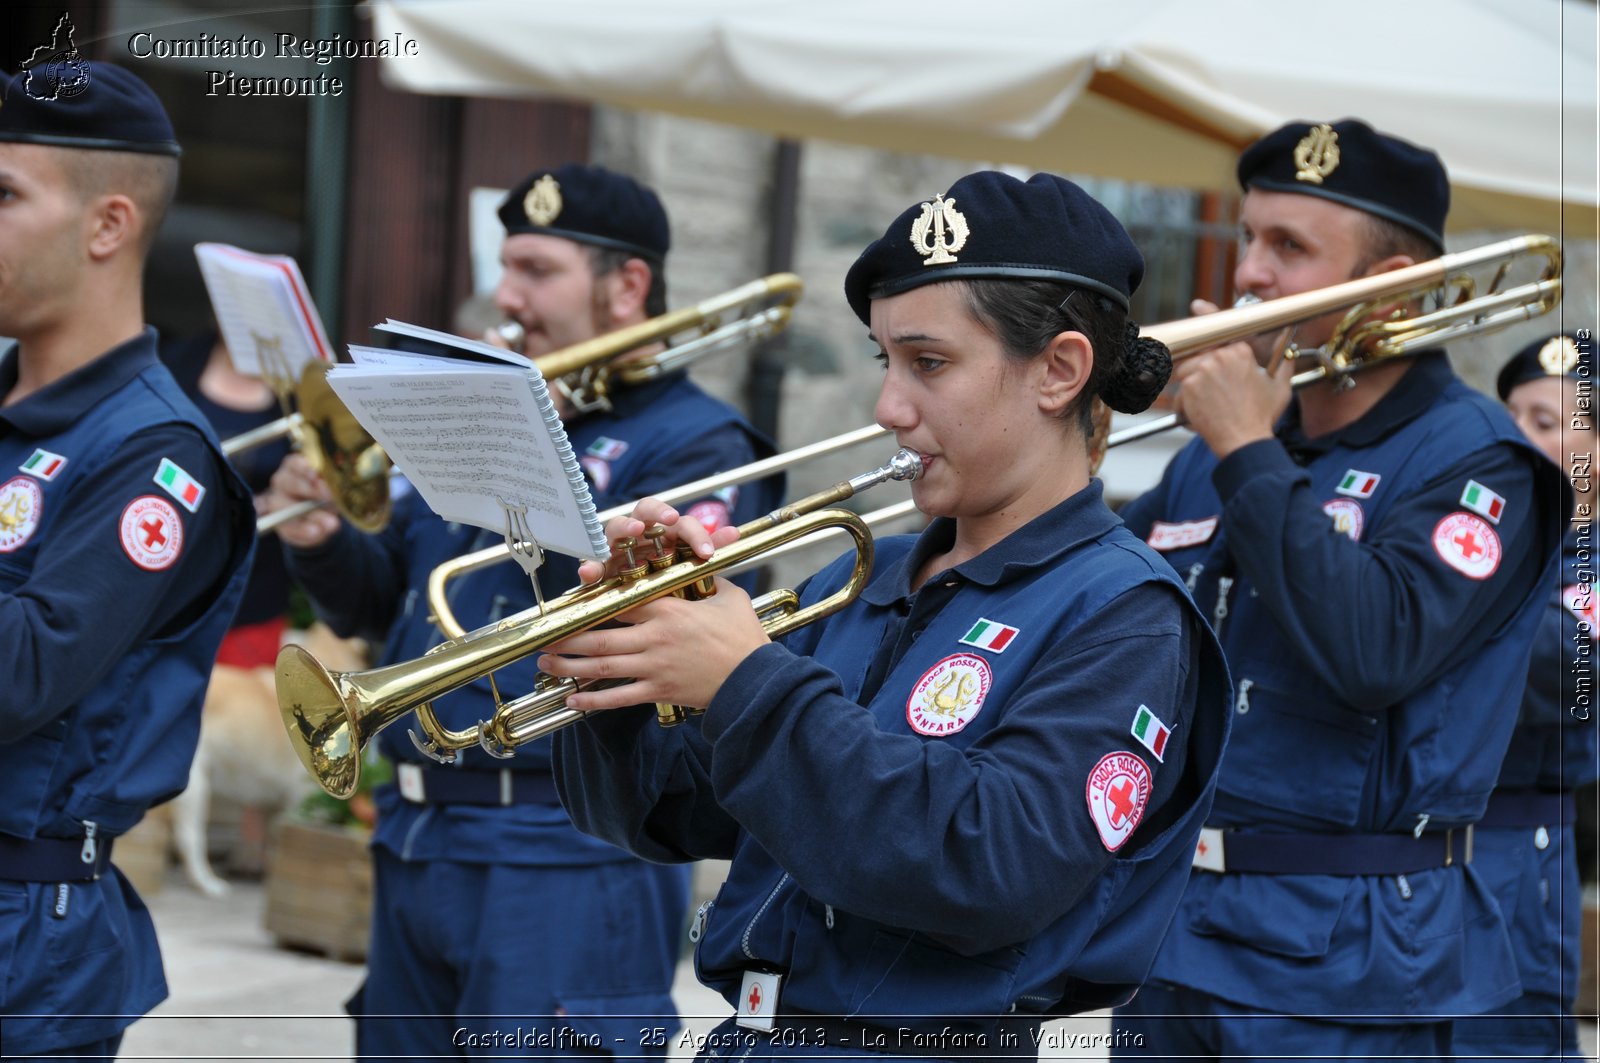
1422	383
60	404
1037	544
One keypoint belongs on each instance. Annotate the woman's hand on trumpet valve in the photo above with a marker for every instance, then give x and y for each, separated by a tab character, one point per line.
675	651
296	481
1226	396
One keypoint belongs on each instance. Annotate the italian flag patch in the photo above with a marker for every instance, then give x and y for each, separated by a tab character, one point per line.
1358	484
180	485
1151	732
44	464
989	635
1483	502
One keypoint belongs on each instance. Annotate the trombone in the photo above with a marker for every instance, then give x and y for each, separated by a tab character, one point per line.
330	716
354	466
1357	342
586	373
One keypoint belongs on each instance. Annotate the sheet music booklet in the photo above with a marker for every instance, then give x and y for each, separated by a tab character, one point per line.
264	311
473	428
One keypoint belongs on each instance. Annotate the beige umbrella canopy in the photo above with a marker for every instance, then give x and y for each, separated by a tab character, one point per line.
1163	91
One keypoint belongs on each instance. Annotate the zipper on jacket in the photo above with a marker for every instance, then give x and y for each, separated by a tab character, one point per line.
744	940
1220	613
698	927
89	846
1241	703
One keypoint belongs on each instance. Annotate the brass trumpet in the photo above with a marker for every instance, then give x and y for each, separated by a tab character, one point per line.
330	716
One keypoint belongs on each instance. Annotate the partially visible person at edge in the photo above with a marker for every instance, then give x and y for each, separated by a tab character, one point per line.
1524	846
1373	561
488	904
124	544
967	801
233	404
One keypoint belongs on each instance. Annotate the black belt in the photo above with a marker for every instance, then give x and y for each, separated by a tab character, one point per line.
1262	853
1010	1036
52	859
435	784
1530	808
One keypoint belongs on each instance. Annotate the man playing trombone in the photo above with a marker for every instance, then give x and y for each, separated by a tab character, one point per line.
487	902
1369	559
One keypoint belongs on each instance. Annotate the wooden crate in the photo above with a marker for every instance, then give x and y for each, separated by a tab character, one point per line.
319	889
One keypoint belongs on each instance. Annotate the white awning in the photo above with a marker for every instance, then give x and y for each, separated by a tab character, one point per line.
1163	91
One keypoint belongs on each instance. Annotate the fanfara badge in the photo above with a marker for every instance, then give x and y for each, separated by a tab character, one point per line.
1317	154
949	694
1559	357
543	202
939	231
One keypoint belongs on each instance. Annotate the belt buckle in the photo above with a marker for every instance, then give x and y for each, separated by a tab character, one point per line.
409	778
758	1000
1208	851
1450	845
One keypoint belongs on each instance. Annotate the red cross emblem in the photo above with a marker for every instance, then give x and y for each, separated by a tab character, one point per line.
1121	798
1202	848
1467	543
153	537
754	999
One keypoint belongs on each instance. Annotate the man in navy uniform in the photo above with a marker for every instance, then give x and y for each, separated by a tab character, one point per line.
1524	845
488	903
124	542
1369	560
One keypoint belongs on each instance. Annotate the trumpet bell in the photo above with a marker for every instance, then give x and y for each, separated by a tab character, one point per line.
355	468
325	730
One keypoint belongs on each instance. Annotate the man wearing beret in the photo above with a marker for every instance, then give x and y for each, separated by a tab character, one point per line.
491	912
1369	555
124	542
1524	846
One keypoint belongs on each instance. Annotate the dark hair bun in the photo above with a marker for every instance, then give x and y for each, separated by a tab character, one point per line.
1139	374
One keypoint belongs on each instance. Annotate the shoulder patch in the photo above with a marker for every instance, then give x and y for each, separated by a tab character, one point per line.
152	533
599	471
949	695
172	479
1483	501
1347	516
990	635
1117	791
21	506
1358	484
1151	732
712	514
1468	545
44	464
1164	536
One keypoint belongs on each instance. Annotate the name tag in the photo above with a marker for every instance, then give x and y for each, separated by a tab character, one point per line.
1208	851
1164	536
758	1000
409	778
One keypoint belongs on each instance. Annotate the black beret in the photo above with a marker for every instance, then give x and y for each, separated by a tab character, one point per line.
1351	163
591	205
1558	355
85	105
991	224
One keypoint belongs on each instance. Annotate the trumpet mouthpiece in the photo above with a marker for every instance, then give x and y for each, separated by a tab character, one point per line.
905	465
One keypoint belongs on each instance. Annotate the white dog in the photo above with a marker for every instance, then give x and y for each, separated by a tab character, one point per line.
244	752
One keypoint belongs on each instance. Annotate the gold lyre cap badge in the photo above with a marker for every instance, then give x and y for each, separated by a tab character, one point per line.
1317	154
1559	356
939	231
542	204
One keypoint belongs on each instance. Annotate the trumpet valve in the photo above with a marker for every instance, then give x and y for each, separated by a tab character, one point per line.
669	715
632	568
660	557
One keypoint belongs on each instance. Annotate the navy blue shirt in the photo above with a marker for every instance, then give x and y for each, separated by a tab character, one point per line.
1375	592
124	541
936	801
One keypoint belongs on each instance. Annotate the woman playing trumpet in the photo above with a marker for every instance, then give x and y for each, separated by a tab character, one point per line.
969	799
